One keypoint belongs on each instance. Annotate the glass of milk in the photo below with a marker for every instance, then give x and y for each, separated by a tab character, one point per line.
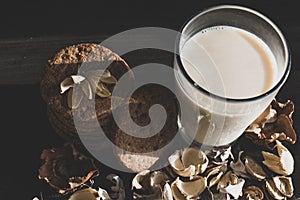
231	63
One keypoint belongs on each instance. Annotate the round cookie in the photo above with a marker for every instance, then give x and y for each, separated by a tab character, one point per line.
66	63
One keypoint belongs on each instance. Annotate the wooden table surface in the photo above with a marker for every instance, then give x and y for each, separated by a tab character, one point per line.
32	31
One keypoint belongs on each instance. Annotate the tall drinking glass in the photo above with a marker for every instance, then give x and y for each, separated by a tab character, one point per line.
231	64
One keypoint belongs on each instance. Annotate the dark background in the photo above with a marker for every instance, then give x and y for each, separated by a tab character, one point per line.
32	31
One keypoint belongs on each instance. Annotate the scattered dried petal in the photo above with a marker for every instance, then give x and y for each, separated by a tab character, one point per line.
284	185
238	167
150	185
221	196
167	192
65	169
189	162
102	91
176	192
141	180
275	123
191	189
254	169
286	108
253	193
282	164
207	195
220	155
216	173
273	191
231	184
118	189
86	194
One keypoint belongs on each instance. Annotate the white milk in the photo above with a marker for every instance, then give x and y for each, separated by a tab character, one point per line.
228	62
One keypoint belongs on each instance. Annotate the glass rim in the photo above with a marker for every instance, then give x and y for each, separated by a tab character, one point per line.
287	59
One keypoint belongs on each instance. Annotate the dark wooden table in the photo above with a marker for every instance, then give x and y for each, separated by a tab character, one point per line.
32	31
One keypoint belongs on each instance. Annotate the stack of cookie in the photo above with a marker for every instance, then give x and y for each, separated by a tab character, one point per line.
72	89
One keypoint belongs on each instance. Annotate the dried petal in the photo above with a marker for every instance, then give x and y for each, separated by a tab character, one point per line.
77	79
189	162
275	123
221	196
149	185
231	184
108	78
74	100
118	189
215	179
220	155
286	126
141	180
167	192
282	164
157	178
217	172
238	167
93	77
273	191
102	91
254	169
286	108
192	188
195	157
176	192
207	195
65	169
66	84
86	88
268	116
86	194
284	185
253	193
